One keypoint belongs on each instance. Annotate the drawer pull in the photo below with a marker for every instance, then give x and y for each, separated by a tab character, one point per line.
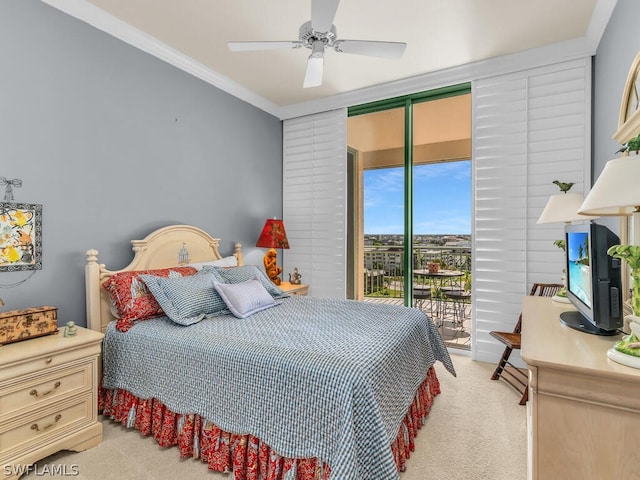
35	393
38	429
48	360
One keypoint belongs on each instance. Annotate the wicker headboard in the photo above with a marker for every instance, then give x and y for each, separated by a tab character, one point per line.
160	249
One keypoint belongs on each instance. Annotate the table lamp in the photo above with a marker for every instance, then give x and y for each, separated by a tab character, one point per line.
562	208
617	193
273	236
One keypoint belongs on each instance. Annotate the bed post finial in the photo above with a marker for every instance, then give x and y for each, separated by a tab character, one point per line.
238	254
92	256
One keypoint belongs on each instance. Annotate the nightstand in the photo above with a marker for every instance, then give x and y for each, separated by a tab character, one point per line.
48	398
291	289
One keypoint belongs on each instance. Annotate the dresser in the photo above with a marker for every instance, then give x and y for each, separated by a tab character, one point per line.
48	398
583	414
293	289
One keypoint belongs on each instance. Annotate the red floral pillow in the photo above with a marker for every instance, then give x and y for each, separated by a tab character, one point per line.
131	298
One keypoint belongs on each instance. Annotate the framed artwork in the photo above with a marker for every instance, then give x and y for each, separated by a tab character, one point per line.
629	117
20	237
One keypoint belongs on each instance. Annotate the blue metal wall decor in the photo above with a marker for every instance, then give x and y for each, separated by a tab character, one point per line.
9	184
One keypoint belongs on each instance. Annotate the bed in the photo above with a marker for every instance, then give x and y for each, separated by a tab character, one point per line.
302	388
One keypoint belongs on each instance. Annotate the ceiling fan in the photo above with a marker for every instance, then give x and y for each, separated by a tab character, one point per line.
319	33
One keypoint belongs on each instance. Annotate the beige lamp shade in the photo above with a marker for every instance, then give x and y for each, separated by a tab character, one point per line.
617	190
562	207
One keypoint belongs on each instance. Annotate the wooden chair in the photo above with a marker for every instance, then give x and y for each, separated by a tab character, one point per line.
513	375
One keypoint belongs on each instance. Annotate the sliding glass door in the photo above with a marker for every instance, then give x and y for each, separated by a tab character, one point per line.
410	186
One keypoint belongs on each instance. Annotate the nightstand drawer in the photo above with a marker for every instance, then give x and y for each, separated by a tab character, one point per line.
36	363
35	390
51	360
59	419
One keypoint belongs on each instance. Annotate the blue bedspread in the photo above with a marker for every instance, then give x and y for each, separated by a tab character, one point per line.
311	377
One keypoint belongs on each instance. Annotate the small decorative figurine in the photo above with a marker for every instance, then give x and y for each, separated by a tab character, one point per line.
294	279
70	329
271	266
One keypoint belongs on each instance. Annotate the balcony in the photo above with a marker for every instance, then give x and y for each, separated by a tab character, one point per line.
444	296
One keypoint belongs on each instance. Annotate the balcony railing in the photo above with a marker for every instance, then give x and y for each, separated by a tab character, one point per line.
446	299
384	266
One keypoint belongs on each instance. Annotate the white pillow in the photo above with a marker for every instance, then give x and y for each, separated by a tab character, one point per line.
245	298
230	261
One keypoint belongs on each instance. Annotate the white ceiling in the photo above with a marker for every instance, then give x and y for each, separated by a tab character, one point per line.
441	35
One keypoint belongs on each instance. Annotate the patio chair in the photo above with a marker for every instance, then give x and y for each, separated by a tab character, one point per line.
460	302
515	377
422	296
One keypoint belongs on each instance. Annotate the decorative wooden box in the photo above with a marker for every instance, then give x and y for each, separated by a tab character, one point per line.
18	325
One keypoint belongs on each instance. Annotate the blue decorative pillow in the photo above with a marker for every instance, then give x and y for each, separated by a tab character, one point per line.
186	300
242	274
245	298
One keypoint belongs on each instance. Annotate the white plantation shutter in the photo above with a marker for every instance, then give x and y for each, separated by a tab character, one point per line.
314	200
530	128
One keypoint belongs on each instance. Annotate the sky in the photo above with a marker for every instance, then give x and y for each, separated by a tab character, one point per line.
442	199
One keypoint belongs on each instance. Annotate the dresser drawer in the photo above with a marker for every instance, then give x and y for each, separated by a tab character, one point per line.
36	390
48	424
38	362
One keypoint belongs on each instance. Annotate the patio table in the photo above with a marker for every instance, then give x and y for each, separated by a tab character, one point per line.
443	281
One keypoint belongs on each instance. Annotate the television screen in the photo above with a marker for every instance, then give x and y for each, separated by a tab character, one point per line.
593	280
579	272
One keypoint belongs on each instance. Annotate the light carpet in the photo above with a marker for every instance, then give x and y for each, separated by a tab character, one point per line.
476	430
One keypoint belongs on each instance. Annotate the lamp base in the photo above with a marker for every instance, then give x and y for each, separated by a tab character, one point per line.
559	299
623	358
271	267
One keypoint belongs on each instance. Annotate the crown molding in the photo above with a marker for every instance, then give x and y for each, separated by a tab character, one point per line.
533	58
569	50
599	20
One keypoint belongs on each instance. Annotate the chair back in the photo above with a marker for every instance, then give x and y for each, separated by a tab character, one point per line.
542	290
545	289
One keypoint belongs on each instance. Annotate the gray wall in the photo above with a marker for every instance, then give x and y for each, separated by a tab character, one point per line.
114	144
618	47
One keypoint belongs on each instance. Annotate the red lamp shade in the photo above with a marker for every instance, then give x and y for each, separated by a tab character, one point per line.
273	235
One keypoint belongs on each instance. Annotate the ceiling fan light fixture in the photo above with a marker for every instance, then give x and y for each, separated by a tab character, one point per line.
313	75
317	49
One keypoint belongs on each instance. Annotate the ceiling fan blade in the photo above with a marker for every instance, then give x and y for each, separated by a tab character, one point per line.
250	46
313	75
322	14
371	48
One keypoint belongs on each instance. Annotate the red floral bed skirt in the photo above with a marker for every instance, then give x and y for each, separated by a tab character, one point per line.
245	455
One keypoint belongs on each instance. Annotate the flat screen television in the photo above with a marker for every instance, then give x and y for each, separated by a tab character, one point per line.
593	280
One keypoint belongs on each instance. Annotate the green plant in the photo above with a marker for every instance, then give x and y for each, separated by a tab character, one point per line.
466	282
632	145
631	255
